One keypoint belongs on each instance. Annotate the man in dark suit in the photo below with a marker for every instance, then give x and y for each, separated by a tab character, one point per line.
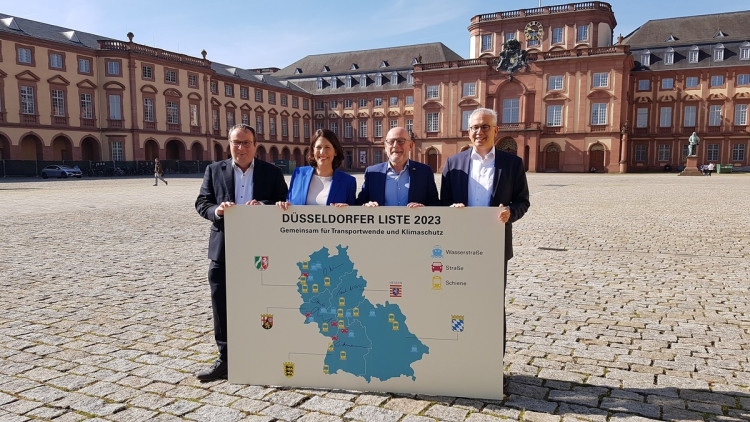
485	176
241	179
399	181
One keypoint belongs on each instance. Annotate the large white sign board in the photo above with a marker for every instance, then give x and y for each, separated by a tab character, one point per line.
370	299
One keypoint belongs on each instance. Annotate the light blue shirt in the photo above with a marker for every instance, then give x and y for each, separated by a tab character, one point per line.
481	176
397	186
243	184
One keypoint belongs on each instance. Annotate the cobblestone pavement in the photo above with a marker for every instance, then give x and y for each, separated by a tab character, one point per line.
628	299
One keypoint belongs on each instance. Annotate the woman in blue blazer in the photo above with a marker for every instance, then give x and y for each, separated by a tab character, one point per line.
321	183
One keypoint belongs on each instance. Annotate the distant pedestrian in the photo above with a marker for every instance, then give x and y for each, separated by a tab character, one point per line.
711	168
158	173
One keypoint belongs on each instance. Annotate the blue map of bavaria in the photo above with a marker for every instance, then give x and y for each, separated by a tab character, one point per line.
365	339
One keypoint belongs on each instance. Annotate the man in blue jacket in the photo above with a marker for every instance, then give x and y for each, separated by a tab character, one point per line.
399	181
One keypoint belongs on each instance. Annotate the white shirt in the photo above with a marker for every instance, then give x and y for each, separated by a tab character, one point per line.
481	175
317	193
243	184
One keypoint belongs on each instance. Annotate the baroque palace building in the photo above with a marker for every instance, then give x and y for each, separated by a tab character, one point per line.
568	98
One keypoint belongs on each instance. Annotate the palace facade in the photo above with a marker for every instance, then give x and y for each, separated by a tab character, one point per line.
568	98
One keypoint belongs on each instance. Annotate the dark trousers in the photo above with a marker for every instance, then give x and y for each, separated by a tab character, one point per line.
217	280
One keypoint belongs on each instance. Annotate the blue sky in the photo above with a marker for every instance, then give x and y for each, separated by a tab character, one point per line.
252	33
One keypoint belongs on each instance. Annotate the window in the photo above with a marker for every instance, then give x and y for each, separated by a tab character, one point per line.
669	57
348	81
25	55
465	119
667	83
646	58
640	153
378	156
691	82
394	78
347	129
230	118
363	129
363	80
410	125
170	76
318	125
693	55
379	79
348	103
148	109
719	53
28	105
173	112
244	93
433	124
409	100
87	106
334	103
641	117
714	115
689	119
470	89
284	127
259	124
665	117
393	124
117	151
192	80
510	110
229	91
432	91
486	42
305	104
113	68
644	84
378	102
601	80
115	107
271	97
664	152
378	128
147	72
598	114
214	86
259	95
738	152
84	66
272	126
393	102
334	127
740	115
306	129
215	119
334	82
583	33
55	61
284	100
295	128
319	105
555	83
743	79
557	35
717	80
510	36
245	118
194	115
363	102
295	102
745	51
58	103
554	115
712	152
410	77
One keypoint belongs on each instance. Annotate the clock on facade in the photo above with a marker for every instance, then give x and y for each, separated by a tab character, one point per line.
533	31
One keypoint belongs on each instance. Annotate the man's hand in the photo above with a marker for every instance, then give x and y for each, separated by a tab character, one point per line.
504	215
370	204
414	205
223	206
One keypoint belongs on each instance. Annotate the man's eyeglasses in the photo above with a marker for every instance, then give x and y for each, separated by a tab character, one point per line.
484	128
241	144
399	141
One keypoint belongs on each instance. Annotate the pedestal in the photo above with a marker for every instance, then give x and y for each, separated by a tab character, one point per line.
691	167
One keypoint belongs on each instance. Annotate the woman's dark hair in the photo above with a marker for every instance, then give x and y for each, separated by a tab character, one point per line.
334	140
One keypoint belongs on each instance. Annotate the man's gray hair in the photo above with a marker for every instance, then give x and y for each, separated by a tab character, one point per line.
481	111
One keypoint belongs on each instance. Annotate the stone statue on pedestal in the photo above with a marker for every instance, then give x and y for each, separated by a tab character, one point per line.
694	141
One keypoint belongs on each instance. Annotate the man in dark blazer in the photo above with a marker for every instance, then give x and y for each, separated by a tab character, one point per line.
399	181
241	179
486	176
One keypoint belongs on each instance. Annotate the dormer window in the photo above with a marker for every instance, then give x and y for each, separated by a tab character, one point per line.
11	23
319	83
693	55
394	78
671	38
410	77
297	71
669	57
363	80
646	58
414	61
720	34
719	52
325	69
384	64
334	82
348	81
72	36
379	79
745	51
